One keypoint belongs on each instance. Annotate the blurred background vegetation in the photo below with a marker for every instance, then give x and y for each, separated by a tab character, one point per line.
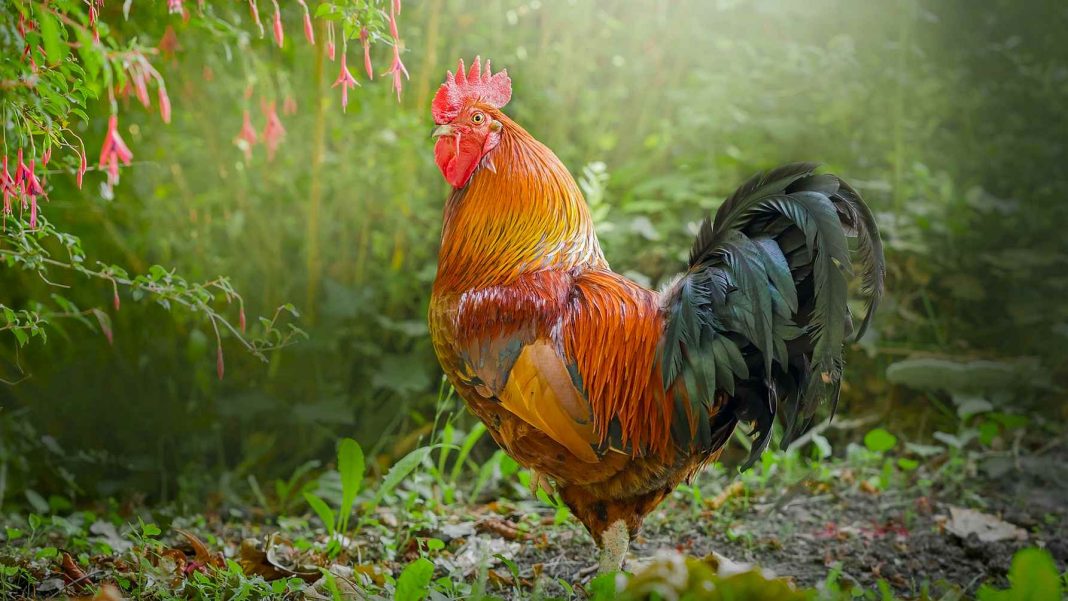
948	116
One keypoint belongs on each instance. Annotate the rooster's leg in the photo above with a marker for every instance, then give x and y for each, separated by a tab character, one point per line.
615	540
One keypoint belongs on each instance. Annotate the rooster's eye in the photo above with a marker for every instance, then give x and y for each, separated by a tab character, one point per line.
478	118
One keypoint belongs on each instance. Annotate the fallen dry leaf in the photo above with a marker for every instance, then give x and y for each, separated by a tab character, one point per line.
278	560
736	488
107	592
505	529
964	522
76	578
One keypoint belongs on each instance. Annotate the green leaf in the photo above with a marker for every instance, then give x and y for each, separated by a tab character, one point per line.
400	471
879	440
907	464
1033	577
322	510
414	581
52	36
350	464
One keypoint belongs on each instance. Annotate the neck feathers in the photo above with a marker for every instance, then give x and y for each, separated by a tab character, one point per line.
524	214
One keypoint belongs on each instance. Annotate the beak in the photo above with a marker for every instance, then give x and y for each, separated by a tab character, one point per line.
442	130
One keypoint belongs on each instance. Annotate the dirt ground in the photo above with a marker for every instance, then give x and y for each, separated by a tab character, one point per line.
900	536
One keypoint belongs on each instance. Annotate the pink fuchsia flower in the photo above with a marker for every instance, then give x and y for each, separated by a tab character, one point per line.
273	132
25	178
31	187
174	7
113	151
365	41
330	47
140	87
396	70
168	44
289	106
279	35
246	138
345	80
164	103
309	31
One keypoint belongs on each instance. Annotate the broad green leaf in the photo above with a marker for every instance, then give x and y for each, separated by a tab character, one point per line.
52	36
1033	577
879	440
400	471
414	580
326	515
350	465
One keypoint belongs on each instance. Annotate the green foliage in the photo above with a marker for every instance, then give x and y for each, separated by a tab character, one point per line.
879	440
343	222
1033	577
414	581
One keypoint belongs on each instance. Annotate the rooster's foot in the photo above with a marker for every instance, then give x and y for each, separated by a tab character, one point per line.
540	480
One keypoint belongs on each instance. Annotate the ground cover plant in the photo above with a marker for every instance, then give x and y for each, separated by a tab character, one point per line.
219	229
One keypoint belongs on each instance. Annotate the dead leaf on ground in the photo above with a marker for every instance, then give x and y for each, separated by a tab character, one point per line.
201	555
505	529
77	580
278	560
346	589
964	522
107	592
736	488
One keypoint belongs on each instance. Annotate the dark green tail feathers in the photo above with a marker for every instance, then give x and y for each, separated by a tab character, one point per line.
761	312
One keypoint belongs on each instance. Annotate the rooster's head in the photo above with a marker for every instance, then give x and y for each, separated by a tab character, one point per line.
466	111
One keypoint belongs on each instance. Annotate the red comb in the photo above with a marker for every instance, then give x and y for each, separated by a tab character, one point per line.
472	85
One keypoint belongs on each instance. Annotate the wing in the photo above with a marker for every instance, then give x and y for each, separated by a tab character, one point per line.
583	372
539	390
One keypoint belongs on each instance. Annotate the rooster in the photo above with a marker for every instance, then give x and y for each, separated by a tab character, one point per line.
612	392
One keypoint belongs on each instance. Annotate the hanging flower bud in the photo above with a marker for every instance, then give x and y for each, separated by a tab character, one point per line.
330	39
164	103
345	80
273	132
365	40
220	368
309	31
115	299
289	106
113	151
7	187
140	87
255	15
279	35
241	318
83	164
246	138
168	44
393	22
